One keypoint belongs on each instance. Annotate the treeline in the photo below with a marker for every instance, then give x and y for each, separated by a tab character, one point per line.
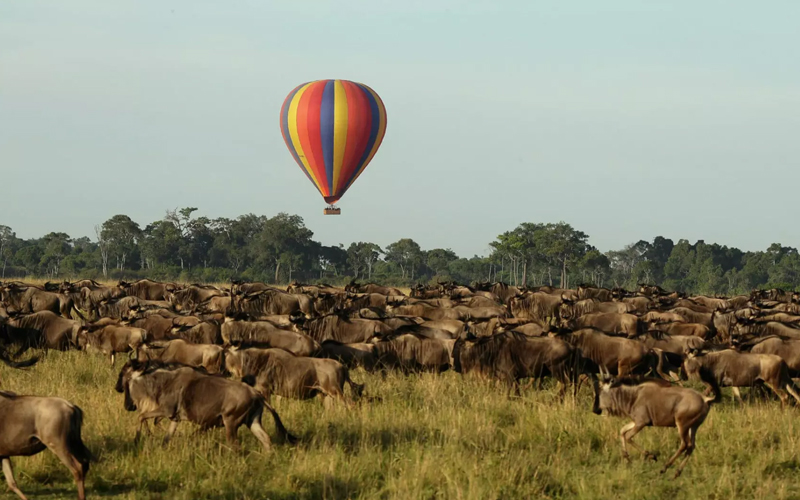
280	249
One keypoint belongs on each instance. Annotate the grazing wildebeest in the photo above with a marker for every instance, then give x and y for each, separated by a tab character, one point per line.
537	306
343	329
411	352
684	329
268	302
350	355
729	368
282	373
181	393
627	324
511	357
654	402
207	356
111	339
148	289
787	349
354	287
43	329
266	334
593	292
206	332
616	355
31	424
571	309
31	299
190	297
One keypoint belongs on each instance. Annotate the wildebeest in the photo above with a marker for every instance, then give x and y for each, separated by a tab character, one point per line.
181	393
207	356
148	290
269	302
350	355
627	324
729	368
343	329
653	402
31	299
266	334
411	352
511	357
206	332
787	349
43	329
190	297
354	287
280	372
616	355
111	339
30	424
538	306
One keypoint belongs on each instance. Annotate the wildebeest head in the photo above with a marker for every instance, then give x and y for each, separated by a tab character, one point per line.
233	361
130	371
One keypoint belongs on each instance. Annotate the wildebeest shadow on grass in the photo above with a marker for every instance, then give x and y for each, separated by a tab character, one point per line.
352	439
318	487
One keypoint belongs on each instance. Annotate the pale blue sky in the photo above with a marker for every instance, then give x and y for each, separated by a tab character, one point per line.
627	119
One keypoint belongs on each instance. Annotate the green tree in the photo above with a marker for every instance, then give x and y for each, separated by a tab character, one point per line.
56	247
7	240
121	235
363	256
438	261
407	254
284	240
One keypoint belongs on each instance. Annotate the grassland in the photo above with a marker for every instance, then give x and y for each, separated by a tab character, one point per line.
426	436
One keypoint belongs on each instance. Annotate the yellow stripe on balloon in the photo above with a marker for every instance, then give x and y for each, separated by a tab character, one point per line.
381	132
292	122
339	130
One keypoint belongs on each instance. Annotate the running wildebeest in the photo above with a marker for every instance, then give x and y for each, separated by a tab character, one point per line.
30	424
654	402
180	393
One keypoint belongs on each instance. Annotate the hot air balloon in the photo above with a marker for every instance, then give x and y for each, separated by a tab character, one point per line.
333	128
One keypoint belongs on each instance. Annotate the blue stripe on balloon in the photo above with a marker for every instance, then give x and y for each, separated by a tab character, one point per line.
326	128
373	133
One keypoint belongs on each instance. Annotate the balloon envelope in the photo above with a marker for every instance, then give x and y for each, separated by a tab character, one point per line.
333	129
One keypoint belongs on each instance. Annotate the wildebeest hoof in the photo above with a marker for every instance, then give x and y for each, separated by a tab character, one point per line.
651	456
677	473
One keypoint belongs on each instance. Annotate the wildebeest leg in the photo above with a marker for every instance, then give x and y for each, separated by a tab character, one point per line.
737	395
74	466
8	471
173	426
689	449
626	437
780	392
254	424
685	438
113	358
231	431
792	391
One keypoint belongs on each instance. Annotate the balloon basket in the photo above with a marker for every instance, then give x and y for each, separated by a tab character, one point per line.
332	210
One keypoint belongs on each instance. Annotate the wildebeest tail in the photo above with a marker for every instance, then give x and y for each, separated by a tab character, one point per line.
5	358
263	404
75	442
358	389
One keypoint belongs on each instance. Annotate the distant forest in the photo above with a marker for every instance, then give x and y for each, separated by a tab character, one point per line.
281	249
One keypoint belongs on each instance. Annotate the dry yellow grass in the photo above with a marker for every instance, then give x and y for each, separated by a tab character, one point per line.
425	436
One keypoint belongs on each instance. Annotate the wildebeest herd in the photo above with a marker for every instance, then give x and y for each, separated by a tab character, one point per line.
215	356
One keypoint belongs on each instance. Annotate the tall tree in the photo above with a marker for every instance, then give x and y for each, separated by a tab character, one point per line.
407	254
122	235
362	256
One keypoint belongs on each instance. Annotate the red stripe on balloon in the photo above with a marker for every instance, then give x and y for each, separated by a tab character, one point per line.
308	127
359	124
